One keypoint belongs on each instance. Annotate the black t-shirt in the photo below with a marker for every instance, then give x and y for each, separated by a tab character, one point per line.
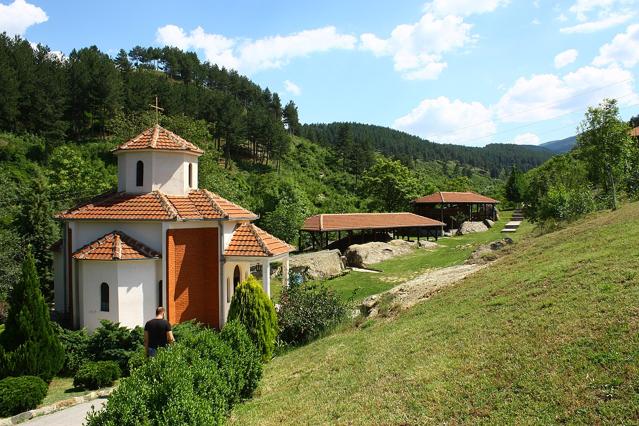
157	329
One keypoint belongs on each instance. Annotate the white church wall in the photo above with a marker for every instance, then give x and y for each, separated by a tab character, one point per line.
149	233
137	291
227	287
171	172
92	274
127	166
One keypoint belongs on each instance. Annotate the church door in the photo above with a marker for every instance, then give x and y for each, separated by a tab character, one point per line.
193	275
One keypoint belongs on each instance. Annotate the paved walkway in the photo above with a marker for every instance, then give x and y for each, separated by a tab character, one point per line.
72	416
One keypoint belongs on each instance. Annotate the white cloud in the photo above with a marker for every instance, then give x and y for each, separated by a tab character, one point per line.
582	8
566	57
547	96
463	7
417	49
16	17
443	120
254	55
535	22
598	25
623	49
526	139
292	88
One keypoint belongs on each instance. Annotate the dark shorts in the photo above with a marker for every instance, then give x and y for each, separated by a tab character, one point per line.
152	352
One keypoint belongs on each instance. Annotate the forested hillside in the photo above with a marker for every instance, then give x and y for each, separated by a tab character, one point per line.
61	116
494	158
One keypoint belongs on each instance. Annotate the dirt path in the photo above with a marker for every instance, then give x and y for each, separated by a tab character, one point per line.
417	289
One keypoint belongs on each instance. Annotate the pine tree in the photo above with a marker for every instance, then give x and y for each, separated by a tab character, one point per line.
291	119
29	343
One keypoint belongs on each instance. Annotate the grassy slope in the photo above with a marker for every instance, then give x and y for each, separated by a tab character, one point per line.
547	334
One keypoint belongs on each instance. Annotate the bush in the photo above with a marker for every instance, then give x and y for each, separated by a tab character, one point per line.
113	342
187	329
308	311
177	386
18	394
137	360
96	374
30	345
252	307
194	381
76	349
564	203
249	362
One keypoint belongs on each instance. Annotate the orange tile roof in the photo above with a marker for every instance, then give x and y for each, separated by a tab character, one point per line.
249	240
199	204
115	245
159	138
635	132
352	221
455	197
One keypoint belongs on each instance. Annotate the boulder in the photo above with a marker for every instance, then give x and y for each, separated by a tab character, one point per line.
427	244
486	253
489	223
318	265
364	255
471	227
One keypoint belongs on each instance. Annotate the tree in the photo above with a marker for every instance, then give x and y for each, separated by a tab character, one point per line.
391	185
345	144
514	184
605	145
291	119
634	121
289	214
29	344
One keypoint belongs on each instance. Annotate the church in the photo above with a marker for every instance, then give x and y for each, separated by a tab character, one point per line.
158	240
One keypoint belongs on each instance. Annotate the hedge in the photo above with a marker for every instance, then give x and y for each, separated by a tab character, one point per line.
96	374
18	394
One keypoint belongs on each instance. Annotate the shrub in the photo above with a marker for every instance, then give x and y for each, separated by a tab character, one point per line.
76	349
252	307
18	394
187	329
30	344
137	360
249	362
96	374
177	386
113	342
307	311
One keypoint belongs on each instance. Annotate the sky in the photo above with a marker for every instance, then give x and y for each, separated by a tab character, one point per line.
469	72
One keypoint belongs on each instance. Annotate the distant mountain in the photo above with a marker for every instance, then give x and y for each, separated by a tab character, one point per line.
560	146
493	158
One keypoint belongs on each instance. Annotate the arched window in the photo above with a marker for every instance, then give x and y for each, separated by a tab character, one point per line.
160	301
139	173
190	175
104	297
236	277
228	290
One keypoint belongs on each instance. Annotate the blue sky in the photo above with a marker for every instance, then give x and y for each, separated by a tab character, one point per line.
459	71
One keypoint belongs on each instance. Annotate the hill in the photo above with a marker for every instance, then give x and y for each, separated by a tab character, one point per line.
547	334
493	158
560	146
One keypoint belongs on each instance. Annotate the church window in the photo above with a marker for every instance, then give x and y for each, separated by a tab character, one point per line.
139	173
104	297
160	302
236	277
190	175
228	290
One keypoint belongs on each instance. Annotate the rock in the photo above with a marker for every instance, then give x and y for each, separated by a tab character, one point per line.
489	223
471	227
323	264
487	252
364	255
427	244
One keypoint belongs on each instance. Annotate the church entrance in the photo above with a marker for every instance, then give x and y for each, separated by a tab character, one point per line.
193	275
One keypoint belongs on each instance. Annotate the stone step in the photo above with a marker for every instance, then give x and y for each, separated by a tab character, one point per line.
509	230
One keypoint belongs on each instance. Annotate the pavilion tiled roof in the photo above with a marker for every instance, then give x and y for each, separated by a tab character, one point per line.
157	137
635	132
249	240
455	197
116	245
353	221
199	204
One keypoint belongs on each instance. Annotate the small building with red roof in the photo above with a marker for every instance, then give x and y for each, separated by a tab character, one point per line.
451	207
159	240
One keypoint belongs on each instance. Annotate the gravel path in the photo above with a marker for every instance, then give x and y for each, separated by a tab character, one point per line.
72	416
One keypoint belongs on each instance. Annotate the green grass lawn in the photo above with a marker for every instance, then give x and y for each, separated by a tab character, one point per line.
62	388
548	334
453	251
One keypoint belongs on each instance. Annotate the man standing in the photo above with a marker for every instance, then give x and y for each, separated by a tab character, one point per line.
157	333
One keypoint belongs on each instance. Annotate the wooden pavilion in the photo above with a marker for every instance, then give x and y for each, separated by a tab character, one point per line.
447	207
322	227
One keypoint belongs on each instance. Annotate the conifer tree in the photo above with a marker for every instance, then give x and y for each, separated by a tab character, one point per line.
29	344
